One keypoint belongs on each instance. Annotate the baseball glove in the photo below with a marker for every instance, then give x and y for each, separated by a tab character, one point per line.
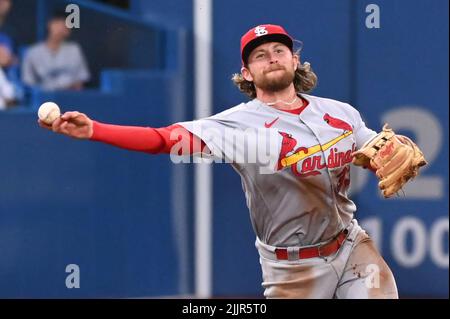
394	158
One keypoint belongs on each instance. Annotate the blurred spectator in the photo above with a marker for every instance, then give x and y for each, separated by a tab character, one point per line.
6	92
55	64
6	45
7	60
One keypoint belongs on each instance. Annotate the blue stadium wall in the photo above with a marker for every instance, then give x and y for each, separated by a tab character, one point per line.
396	74
126	218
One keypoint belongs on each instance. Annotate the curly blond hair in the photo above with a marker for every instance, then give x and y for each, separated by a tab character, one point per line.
305	80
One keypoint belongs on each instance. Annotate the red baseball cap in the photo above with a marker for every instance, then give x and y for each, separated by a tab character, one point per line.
262	34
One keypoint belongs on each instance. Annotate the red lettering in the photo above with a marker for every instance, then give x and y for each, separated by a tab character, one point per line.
313	164
341	158
294	169
307	165
331	159
348	157
318	162
337	161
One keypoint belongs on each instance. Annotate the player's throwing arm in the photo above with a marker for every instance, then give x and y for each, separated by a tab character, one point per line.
73	124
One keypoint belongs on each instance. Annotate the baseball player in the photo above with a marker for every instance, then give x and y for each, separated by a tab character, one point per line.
309	243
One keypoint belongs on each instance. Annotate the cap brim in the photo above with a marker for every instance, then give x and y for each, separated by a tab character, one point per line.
275	37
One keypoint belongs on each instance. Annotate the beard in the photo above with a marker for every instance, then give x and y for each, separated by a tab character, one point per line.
272	82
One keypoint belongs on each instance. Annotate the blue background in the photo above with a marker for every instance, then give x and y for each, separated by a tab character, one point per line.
127	218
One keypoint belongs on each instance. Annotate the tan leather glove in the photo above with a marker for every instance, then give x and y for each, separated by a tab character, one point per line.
395	159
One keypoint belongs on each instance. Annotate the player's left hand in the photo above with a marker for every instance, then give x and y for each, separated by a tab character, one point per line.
395	159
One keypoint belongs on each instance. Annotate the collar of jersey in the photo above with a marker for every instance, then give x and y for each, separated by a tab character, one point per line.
285	112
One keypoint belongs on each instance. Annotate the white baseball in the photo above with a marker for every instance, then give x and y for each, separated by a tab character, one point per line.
48	112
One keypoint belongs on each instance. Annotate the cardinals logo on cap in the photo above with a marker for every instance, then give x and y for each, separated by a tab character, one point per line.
259	31
260	34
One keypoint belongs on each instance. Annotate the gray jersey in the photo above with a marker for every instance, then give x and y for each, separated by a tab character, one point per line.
54	70
302	198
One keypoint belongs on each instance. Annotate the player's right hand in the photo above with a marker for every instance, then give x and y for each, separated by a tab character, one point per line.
73	124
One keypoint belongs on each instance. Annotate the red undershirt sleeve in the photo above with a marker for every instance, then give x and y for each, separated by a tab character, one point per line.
147	139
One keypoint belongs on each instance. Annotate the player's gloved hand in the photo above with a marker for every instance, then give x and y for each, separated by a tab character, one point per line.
395	159
73	124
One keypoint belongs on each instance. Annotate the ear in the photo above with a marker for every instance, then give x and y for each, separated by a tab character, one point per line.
246	74
296	60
